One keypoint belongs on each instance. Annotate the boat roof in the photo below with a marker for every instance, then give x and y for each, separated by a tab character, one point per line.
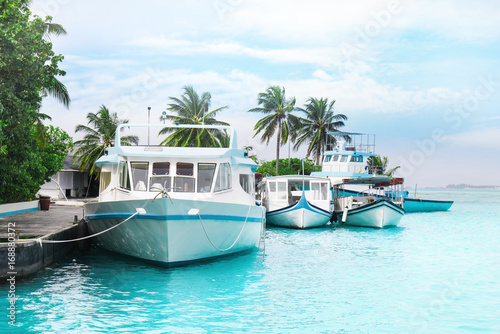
295	177
347	152
237	156
377	180
341	133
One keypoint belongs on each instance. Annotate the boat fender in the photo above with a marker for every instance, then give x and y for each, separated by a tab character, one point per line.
333	218
344	214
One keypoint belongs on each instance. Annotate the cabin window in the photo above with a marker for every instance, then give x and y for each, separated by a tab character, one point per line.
272	187
185	169
160	179
357	158
185	181
140	175
161	168
205	177
282	190
105	180
336	157
319	190
246	182
328	158
344	158
223	181
124	181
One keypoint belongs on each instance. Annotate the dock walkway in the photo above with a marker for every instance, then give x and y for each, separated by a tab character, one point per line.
36	224
31	253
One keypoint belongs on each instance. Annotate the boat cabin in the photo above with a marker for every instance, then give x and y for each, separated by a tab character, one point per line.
282	191
180	172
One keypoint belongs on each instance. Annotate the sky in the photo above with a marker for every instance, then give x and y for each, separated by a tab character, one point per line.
423	76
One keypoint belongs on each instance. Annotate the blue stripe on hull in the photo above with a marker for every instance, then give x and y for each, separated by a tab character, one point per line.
286	217
176	238
123	215
378	214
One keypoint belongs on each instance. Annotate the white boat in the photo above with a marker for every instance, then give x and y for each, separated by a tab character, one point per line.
346	166
176	205
349	160
297	201
412	204
369	210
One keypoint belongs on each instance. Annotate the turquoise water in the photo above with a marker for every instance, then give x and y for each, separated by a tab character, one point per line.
435	273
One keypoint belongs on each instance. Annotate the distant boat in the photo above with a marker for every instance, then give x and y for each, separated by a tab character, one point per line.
349	160
296	201
171	206
412	204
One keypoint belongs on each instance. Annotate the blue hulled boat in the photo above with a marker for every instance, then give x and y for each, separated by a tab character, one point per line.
296	201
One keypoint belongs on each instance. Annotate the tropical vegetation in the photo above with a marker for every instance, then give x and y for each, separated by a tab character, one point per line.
319	120
279	118
99	135
29	71
378	165
193	109
291	166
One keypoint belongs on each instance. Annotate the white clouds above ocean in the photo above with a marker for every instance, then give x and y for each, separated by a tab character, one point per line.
414	63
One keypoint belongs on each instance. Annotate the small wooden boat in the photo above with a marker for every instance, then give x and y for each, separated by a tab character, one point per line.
367	211
296	201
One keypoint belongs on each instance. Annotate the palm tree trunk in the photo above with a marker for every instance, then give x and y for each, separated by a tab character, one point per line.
278	149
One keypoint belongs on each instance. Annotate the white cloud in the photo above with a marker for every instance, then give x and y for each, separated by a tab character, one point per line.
317	56
488	138
322	75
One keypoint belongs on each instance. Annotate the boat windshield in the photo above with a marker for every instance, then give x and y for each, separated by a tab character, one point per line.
185	176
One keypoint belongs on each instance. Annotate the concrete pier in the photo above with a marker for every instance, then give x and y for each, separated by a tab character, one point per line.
28	254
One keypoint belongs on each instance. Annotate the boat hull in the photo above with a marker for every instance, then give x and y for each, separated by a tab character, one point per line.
378	214
423	205
178	232
414	204
299	215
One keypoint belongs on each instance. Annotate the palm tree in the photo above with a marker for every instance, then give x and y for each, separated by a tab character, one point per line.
279	118
53	86
193	109
319	121
378	165
98	137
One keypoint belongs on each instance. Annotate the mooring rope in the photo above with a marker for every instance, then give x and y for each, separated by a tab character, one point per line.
235	241
40	240
88	236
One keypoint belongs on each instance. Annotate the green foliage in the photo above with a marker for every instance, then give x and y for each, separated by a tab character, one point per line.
22	181
28	68
194	109
269	167
378	165
3	148
57	146
98	137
